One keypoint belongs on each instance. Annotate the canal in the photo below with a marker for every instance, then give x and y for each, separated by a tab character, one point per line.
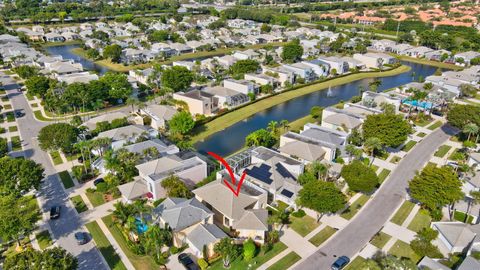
232	138
66	53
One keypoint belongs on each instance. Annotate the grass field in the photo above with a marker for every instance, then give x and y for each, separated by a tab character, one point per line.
356	263
421	220
66	179
442	151
408	146
322	236
303	225
233	117
383	175
355	207
402	249
95	198
79	204
402	213
285	262
380	240
435	125
105	247
44	239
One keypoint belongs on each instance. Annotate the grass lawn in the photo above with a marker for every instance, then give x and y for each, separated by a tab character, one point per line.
355	207
383	175
303	225
79	204
66	179
285	262
240	114
402	249
322	236
442	151
421	134
105	247
374	167
428	62
44	239
457	155
355	264
38	114
395	159
300	122
56	158
460	216
138	261
16	143
10	117
421	220
422	122
34	105
402	213
95	198
435	125
7	107
380	239
408	146
12	129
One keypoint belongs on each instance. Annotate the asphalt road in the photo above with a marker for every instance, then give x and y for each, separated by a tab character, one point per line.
375	214
52	192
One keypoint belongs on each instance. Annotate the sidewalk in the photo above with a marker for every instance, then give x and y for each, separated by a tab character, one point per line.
274	259
115	245
300	245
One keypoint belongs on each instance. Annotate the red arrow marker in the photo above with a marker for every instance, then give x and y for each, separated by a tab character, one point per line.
235	191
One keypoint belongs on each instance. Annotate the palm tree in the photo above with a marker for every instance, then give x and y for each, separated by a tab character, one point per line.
132	102
285	125
121	213
372	144
272	126
470	129
156	238
141	207
84	148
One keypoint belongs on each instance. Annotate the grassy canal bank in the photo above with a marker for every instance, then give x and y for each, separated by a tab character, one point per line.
228	119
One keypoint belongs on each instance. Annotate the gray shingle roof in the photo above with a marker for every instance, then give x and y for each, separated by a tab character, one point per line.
181	213
205	234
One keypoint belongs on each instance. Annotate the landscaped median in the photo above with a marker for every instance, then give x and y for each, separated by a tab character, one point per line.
235	116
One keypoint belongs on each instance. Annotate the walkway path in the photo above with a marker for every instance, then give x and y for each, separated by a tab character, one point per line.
115	245
376	212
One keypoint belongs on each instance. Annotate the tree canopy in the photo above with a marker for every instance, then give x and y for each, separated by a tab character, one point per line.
18	176
18	216
119	87
292	52
321	196
360	177
176	187
58	136
181	123
436	187
244	66
461	115
112	52
391	129
52	258
38	85
260	137
177	78
227	249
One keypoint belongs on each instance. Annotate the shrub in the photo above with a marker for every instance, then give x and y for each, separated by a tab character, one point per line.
299	214
436	214
90	190
173	250
202	263
102	187
249	249
359	177
425	248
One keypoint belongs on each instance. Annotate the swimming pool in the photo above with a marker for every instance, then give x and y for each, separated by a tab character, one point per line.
141	228
424	104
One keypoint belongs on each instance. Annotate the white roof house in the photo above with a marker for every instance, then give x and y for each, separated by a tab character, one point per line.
160	114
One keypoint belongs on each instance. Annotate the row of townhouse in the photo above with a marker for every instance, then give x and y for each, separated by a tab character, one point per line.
452	81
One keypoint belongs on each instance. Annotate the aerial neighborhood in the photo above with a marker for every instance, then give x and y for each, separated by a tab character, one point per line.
262	135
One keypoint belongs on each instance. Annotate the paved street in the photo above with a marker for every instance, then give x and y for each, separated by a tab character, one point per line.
52	192
375	213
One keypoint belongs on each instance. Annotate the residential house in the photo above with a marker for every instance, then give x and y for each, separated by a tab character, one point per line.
199	102
449	84
336	64
469	263
81	77
375	60
160	114
375	100
243	86
190	171
330	140
186	64
91	123
262	79
181	48
128	134
63	67
341	120
474	160
133	56
227	98
383	45
301	70
465	57
401	48
437	55
53	37
285	77
244	214
204	235
418	52
456	237
246	55
141	75
68	36
226	61
428	263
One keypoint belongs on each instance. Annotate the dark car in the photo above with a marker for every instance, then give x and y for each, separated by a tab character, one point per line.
98	181
55	212
187	262
81	237
340	263
19	114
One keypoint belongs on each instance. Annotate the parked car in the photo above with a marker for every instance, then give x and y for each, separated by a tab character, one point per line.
340	263
55	212
81	237
19	114
187	262
98	181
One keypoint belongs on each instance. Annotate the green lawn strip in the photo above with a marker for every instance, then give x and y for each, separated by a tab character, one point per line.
442	151
456	155
39	116
7	107
79	204
460	216
374	167
4	98
285	262
240	114
16	143
408	146
105	246
428	62
356	263
402	249
435	125
299	123
139	262
380	239
422	122
10	117
421	134
56	158
355	207
12	129
402	213
44	239
322	236
383	175
66	179
421	220
95	198
395	159
303	225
